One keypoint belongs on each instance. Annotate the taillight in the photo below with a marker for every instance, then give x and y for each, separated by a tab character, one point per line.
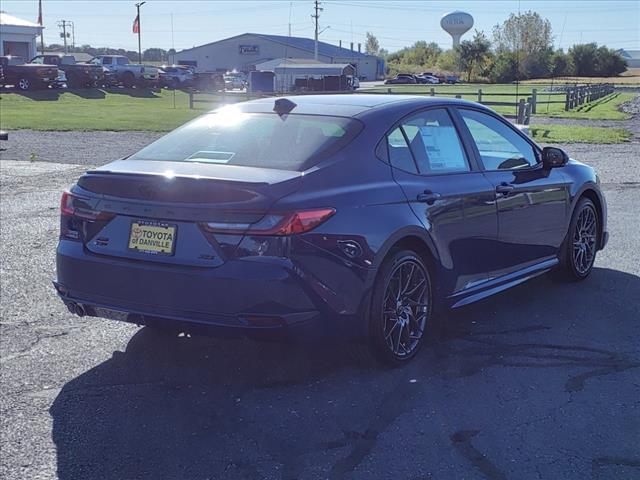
75	206
292	223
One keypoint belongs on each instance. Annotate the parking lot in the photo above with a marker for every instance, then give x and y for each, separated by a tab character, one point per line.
542	381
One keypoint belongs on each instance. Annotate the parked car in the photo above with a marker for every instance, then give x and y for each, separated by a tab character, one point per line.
401	79
379	213
78	75
175	76
231	82
25	76
127	74
452	79
209	81
427	79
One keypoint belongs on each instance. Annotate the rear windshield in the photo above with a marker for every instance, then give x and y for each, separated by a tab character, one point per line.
267	140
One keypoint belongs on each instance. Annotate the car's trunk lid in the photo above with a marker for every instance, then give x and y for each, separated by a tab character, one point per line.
181	195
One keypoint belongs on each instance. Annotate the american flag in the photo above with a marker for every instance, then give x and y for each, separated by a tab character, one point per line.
40	12
136	25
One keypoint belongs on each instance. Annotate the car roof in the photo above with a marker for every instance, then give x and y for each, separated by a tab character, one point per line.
350	105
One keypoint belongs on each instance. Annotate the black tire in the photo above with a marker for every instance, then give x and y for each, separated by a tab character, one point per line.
128	79
581	244
24	84
397	325
72	81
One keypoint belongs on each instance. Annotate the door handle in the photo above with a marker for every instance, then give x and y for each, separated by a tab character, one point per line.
505	188
428	197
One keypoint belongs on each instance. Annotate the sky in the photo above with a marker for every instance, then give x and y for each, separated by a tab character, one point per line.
396	23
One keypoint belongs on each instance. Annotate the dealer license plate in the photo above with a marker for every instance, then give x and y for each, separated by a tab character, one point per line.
152	237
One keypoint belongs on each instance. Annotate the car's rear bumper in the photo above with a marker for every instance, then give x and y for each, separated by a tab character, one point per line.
241	295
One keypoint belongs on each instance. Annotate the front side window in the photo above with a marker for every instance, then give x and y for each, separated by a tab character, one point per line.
230	136
435	143
500	147
106	60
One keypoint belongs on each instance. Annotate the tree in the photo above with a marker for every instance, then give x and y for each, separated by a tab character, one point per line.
609	62
582	58
504	68
154	54
473	54
525	33
371	46
559	64
448	61
529	36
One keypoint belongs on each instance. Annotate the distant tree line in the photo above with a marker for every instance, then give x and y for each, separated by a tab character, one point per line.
521	48
148	55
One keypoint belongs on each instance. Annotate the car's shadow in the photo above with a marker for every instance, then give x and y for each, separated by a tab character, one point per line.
180	407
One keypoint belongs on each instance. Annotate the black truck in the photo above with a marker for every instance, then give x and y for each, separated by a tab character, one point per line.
26	76
78	75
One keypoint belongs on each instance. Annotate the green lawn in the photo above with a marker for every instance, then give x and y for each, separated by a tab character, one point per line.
133	109
95	109
605	108
578	134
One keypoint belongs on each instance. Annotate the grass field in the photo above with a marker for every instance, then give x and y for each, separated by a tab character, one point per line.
606	108
132	109
603	109
578	134
95	109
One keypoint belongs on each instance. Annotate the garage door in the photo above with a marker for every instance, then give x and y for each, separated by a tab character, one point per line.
16	49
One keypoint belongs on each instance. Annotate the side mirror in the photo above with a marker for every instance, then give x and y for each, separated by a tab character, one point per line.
554	157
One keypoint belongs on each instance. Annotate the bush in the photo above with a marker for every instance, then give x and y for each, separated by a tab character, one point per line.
589	60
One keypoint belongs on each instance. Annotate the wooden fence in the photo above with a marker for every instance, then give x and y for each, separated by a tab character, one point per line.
571	95
578	95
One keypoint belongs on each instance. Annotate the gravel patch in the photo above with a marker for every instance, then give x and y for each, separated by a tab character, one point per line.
87	148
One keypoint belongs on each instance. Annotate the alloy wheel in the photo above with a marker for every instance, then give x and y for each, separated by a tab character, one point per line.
584	240
405	308
23	84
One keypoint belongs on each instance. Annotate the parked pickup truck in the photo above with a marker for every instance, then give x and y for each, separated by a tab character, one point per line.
128	74
78	75
25	76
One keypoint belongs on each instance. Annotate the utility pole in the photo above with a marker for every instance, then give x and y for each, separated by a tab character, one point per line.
41	27
316	17
138	5
63	24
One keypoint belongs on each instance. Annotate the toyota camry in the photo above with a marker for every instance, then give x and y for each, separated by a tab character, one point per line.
356	217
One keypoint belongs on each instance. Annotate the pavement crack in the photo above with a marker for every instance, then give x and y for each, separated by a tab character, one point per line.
461	441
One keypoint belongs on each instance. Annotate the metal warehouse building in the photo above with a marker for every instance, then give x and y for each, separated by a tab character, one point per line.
244	52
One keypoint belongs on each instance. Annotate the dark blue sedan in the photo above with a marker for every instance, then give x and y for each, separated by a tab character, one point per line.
356	216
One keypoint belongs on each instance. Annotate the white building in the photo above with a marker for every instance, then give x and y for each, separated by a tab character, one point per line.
18	37
244	52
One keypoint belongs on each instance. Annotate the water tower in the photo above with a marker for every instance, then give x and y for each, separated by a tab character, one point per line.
456	24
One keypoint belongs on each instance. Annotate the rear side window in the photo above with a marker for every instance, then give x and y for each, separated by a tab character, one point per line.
433	145
500	147
267	140
122	61
399	153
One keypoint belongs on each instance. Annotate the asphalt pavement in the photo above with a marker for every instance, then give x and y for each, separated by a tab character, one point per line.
539	382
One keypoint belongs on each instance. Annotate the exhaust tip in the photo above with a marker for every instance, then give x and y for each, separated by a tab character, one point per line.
79	310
